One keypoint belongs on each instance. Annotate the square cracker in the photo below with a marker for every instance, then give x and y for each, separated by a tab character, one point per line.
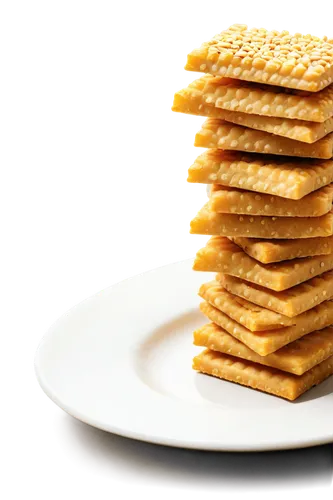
268	251
289	302
222	256
265	379
212	223
258	55
227	200
253	317
254	98
280	176
220	134
265	343
306	132
297	357
197	102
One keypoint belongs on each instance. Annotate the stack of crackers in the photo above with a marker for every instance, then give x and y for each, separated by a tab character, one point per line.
268	99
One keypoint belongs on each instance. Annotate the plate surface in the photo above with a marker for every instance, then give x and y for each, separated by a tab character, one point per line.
121	361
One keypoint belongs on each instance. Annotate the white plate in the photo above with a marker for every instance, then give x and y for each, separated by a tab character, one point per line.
121	361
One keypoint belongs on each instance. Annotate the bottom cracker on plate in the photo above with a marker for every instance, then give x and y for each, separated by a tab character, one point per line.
265	379
297	357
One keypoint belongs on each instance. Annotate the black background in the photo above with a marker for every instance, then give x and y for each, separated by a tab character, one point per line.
112	188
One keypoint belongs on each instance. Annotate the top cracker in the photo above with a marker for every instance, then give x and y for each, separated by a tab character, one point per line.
257	55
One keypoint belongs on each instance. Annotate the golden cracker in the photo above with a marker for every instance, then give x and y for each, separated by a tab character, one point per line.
265	343
298	357
291	302
257	99
268	251
253	317
306	132
192	101
257	226
222	256
265	379
279	176
270	57
220	134
226	200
